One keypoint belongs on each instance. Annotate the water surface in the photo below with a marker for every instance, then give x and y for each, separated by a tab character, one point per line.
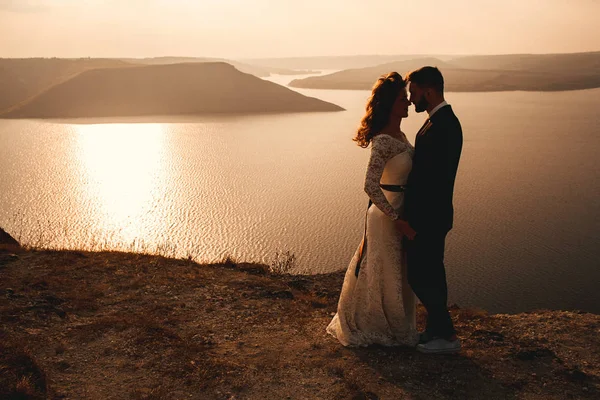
526	198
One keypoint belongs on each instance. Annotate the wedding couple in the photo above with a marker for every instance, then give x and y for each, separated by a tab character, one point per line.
410	213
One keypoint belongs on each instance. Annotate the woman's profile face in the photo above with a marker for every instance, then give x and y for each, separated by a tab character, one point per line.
400	107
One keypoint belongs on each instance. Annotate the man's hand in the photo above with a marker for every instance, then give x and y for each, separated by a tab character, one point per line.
405	229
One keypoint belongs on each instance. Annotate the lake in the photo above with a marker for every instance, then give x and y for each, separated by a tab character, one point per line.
527	194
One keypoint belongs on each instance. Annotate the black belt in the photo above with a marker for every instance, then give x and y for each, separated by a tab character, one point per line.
363	245
393	188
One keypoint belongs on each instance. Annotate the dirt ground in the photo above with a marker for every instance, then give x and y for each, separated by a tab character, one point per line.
77	325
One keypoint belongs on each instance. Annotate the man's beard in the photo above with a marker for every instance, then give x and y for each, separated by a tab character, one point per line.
421	105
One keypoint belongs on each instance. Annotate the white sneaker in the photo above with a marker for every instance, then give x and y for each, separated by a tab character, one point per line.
439	346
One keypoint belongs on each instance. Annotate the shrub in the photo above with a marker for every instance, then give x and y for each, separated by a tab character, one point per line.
283	263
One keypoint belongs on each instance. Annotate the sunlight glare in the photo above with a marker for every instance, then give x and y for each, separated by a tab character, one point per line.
124	166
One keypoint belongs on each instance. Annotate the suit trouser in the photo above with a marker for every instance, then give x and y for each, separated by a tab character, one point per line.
427	278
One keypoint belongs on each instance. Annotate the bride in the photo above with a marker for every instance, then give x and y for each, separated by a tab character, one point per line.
376	305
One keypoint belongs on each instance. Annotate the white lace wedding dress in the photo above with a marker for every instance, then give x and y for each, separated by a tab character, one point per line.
378	306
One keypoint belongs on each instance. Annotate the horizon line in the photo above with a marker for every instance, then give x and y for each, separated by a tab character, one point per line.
300	57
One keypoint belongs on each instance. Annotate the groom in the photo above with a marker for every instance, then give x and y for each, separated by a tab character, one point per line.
428	206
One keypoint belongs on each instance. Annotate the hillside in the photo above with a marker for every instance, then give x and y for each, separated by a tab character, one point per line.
173	89
481	73
363	78
256	70
82	325
564	64
337	62
23	78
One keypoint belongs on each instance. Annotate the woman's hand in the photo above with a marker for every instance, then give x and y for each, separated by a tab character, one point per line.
405	229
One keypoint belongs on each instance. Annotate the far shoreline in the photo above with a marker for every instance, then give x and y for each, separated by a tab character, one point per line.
453	90
167	119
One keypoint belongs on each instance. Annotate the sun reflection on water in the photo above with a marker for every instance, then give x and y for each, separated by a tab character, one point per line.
124	166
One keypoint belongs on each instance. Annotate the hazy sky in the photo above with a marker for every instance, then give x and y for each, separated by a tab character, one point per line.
279	28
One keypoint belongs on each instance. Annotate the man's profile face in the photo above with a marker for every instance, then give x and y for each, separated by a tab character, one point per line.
417	97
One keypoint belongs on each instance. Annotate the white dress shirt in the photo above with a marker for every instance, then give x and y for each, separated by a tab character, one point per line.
442	104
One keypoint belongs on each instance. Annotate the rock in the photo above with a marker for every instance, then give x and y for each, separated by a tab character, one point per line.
5	238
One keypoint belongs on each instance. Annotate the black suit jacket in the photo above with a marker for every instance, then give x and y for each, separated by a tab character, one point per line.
428	199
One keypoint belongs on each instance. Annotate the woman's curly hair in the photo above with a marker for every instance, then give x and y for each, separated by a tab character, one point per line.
379	107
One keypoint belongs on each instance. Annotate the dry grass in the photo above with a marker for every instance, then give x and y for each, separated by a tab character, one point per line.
20	376
284	262
134	326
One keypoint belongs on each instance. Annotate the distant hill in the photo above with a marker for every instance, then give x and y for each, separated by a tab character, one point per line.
23	78
481	73
173	89
363	78
337	62
256	70
574	63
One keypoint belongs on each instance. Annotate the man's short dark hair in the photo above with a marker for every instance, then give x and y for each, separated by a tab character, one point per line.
429	77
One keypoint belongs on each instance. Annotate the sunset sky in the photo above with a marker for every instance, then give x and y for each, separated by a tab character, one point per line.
281	28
